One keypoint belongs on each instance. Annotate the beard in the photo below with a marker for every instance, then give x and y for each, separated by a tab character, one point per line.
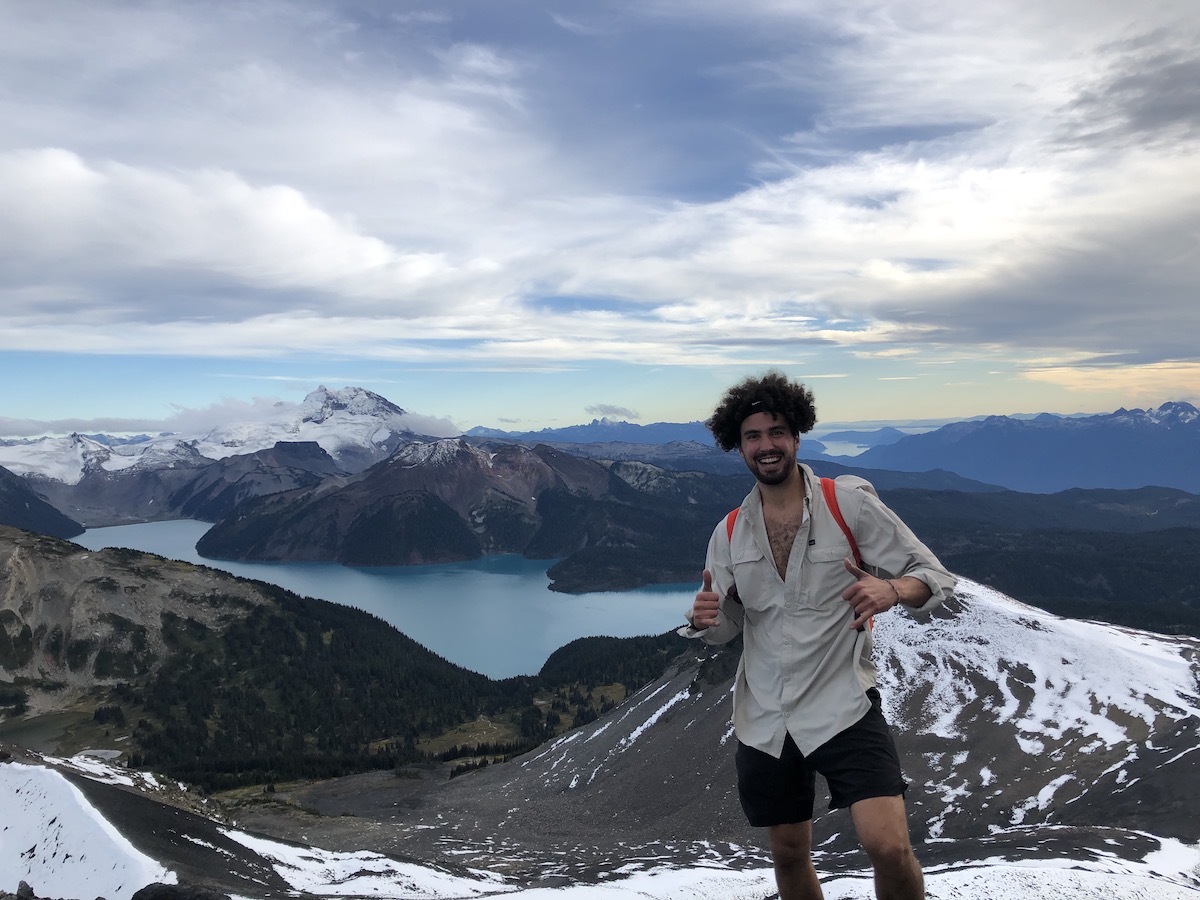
773	478
778	474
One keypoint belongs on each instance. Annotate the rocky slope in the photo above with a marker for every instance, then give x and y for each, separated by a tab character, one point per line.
74	623
447	500
1023	736
22	507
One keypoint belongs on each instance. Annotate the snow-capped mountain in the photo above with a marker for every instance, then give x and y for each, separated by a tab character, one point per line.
354	426
1017	729
1048	758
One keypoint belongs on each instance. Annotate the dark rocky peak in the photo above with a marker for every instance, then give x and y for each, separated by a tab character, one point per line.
307	455
21	507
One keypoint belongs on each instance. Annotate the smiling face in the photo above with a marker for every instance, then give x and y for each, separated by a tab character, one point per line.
769	447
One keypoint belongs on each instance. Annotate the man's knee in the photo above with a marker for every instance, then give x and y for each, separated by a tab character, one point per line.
883	832
891	853
791	844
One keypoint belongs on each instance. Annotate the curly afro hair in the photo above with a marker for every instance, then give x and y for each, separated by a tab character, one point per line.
772	392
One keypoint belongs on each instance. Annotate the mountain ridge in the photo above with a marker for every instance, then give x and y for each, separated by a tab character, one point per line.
1124	449
359	428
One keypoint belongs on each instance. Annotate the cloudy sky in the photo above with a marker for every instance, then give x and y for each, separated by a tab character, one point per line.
526	214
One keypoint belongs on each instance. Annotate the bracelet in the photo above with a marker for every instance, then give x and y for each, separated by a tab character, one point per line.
896	591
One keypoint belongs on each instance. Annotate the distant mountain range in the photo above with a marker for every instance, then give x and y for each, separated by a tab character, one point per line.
604	431
1125	449
617	515
1043	454
357	429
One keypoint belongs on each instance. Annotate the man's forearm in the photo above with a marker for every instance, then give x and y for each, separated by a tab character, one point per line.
911	591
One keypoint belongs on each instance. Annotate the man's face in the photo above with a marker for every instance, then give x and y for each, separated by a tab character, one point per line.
768	447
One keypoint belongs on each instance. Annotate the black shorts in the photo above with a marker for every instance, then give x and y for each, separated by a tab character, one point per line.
858	763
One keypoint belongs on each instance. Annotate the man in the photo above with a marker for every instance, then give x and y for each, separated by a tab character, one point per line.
804	697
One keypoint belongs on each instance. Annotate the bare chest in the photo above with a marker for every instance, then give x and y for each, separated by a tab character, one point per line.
782	535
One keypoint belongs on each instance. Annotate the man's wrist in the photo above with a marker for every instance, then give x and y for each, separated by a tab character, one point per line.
896	591
911	591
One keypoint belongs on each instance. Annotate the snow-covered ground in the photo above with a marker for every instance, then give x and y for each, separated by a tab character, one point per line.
56	841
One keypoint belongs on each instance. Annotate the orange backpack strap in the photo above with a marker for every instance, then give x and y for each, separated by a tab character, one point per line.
829	489
729	522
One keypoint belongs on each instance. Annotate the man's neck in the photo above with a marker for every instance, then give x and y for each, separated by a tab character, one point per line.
785	497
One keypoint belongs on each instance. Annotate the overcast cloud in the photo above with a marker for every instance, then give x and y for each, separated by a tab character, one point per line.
518	186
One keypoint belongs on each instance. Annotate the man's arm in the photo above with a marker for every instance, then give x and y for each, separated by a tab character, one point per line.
870	596
715	618
888	544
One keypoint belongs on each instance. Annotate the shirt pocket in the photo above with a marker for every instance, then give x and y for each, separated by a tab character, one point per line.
827	576
752	574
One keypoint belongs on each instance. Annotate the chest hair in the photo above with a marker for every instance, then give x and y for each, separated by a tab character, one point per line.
782	535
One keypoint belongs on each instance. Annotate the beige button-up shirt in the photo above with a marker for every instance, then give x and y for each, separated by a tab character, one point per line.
803	669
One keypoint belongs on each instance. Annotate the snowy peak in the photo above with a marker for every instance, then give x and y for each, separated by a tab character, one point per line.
355	426
1024	718
323	405
66	459
1008	717
1176	413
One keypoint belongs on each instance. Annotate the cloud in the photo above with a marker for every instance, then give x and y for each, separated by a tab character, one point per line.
1146	386
226	232
198	421
606	410
895	181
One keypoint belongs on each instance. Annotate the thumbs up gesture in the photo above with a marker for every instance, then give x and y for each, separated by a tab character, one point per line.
868	595
706	605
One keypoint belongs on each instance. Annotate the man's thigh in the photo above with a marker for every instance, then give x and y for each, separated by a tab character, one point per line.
881	824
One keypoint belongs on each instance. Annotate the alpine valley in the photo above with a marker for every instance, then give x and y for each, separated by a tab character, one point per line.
1049	758
168	727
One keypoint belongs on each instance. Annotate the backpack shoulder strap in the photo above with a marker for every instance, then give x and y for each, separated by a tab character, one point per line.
729	522
829	489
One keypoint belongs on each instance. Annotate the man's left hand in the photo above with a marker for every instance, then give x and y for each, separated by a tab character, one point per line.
868	596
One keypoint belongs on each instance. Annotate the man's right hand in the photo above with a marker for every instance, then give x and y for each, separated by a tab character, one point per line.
706	606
